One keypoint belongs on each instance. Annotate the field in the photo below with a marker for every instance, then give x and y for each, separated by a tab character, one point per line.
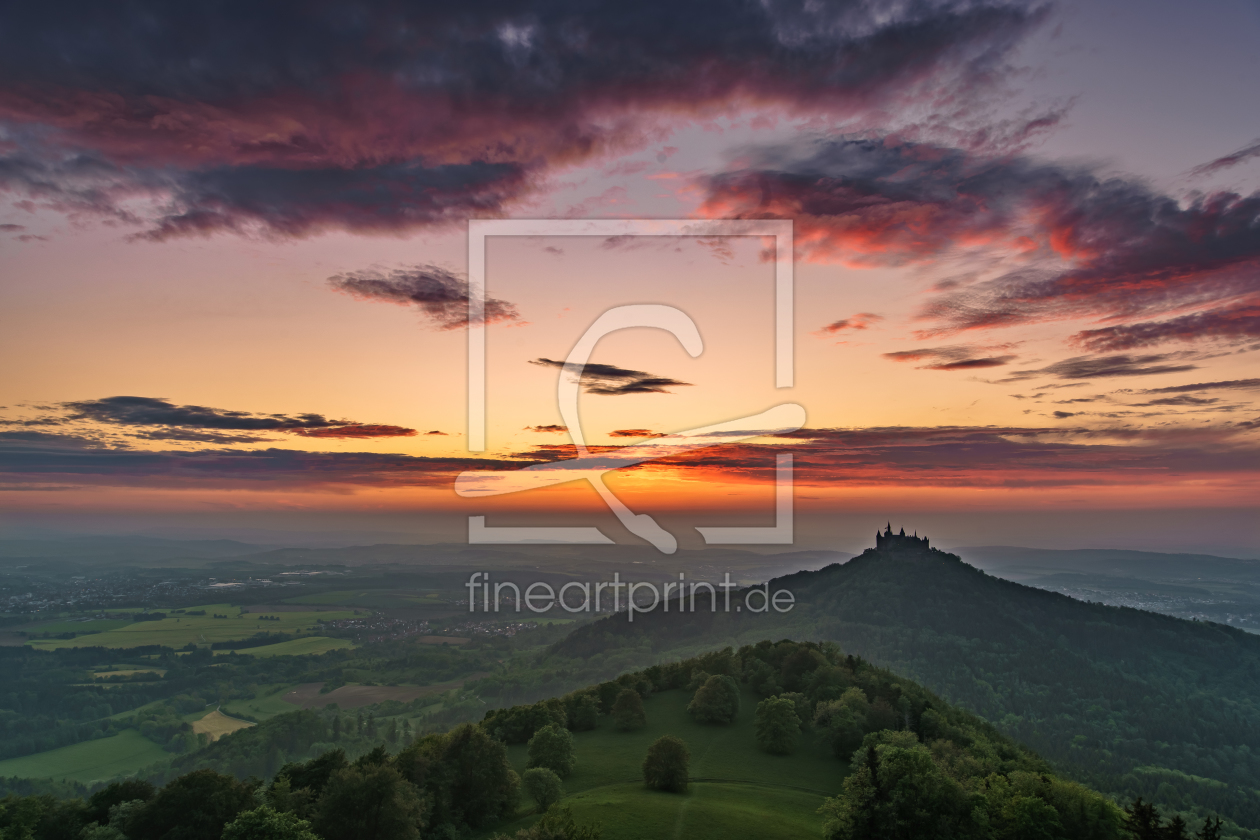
371	598
216	725
179	630
263	707
88	761
93	625
354	696
737	790
295	647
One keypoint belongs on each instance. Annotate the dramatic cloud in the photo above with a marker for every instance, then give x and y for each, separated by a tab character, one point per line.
1074	244
438	293
610	380
1096	367
951	456
1185	399
956	357
152	411
1230	384
1227	322
1242	155
634	433
289	118
860	321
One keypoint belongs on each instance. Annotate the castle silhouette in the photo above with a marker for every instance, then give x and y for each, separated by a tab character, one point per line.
892	542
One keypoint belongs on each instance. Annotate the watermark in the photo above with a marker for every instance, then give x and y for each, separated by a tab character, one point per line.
541	597
780	419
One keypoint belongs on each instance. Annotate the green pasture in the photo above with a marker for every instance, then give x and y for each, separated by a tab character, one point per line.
268	704
369	598
179	630
737	790
89	761
307	645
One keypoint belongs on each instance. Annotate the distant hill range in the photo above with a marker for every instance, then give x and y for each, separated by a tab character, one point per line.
1133	702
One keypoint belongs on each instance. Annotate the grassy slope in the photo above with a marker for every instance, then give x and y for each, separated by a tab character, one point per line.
179	630
89	761
750	794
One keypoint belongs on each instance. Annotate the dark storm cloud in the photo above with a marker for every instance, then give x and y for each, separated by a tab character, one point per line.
1088	245
956	357
298	202
610	380
291	118
152	411
439	294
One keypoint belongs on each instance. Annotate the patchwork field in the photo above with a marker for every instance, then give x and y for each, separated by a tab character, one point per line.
307	645
737	790
216	725
353	696
89	761
267	705
179	630
94	625
371	598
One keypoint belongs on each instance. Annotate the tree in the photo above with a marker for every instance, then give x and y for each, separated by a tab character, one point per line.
717	701
584	713
370	803
194	806
465	774
665	767
543	786
1210	831
556	824
268	824
628	712
128	790
778	728
552	747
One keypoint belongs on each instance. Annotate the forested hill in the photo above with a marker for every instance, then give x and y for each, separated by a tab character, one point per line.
1133	702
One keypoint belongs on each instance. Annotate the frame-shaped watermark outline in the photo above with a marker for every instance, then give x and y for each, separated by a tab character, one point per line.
784	350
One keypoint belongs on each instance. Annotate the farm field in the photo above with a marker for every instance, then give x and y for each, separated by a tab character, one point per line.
307	696
295	647
737	790
268	705
371	598
216	725
88	761
179	630
94	625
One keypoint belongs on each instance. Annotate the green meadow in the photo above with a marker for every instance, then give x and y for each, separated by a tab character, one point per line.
178	630
89	761
370	598
307	645
737	790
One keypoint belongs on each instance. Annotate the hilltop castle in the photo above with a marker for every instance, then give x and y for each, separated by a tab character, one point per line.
892	542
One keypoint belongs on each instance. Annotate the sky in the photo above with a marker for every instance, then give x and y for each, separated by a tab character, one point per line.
234	267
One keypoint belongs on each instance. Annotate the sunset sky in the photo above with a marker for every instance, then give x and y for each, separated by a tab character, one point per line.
233	256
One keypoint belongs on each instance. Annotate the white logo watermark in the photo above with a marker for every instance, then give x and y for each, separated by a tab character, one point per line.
541	597
786	417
